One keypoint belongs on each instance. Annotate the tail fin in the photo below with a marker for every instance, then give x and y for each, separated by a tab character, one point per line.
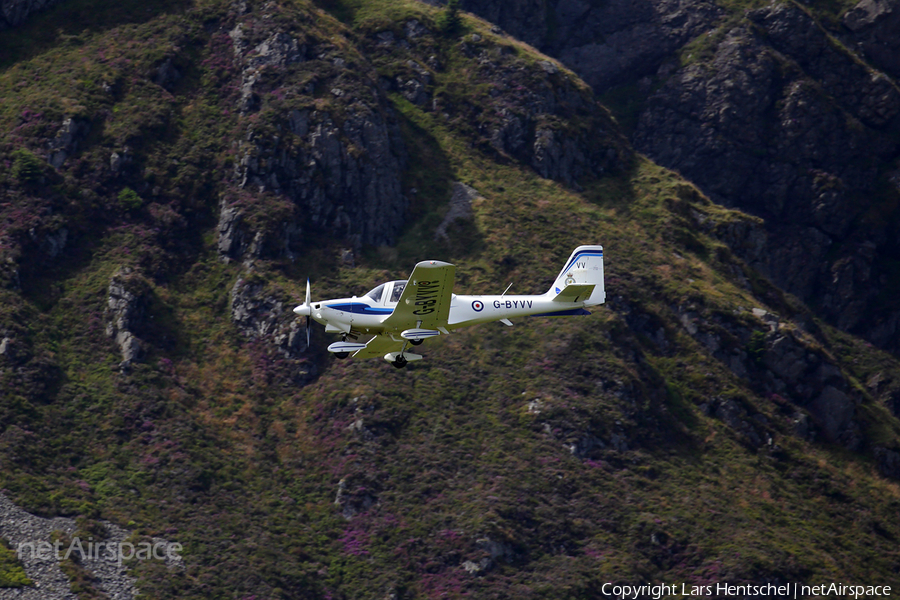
582	274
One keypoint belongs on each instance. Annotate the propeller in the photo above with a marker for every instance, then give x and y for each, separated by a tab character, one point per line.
308	312
305	309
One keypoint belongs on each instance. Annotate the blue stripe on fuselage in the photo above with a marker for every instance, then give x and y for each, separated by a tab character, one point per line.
564	313
358	308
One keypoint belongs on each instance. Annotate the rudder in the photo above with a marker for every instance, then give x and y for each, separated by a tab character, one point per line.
584	267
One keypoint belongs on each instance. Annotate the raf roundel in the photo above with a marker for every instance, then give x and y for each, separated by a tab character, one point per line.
478	306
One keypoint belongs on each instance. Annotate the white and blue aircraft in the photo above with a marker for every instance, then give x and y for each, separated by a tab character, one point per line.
400	313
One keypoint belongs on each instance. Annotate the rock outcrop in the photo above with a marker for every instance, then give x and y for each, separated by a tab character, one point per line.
773	357
888	462
338	160
51	243
490	552
66	141
353	500
263	314
342	176
461	198
532	112
540	117
231	236
874	25
125	313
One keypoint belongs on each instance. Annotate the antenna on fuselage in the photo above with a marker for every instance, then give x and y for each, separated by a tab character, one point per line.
506	290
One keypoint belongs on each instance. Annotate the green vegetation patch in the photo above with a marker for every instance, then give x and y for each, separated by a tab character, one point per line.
12	574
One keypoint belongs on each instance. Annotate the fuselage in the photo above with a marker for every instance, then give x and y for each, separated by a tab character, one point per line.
366	314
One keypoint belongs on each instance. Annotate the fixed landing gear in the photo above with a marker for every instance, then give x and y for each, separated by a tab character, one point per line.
343	349
402	358
416	342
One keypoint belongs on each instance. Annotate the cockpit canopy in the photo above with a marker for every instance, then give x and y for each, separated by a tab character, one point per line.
376	293
387	293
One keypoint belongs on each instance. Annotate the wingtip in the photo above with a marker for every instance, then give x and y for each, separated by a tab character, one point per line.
434	264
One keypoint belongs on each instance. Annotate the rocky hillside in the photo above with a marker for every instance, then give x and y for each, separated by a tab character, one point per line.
174	171
788	111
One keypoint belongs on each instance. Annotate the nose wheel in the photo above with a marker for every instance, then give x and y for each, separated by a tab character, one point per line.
400	362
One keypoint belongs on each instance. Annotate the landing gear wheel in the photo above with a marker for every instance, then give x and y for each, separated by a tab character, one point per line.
399	363
341	355
416	342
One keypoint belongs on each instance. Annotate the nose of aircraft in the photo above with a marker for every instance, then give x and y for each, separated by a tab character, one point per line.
304	309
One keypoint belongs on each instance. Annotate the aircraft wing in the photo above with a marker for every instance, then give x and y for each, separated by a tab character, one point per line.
426	297
378	346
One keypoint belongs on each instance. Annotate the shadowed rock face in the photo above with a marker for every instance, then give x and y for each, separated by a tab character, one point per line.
783	124
611	43
536	114
15	12
758	134
606	43
768	112
874	24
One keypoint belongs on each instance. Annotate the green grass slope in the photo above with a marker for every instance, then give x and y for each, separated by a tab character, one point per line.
538	461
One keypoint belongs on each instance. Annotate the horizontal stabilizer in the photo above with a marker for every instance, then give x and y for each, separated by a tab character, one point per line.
576	292
419	334
345	347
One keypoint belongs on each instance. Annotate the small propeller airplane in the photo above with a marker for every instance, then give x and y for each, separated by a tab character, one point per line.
400	313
